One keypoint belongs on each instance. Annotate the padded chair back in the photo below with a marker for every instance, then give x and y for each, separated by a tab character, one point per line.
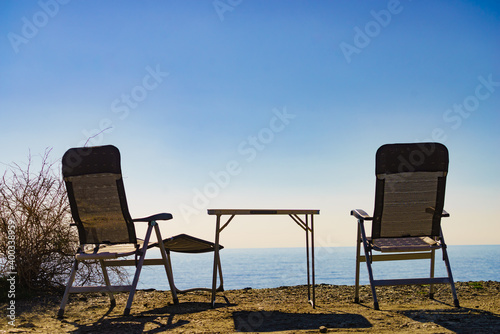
410	186
96	194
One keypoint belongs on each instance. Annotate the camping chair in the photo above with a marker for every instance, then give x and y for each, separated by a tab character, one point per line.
106	230
409	200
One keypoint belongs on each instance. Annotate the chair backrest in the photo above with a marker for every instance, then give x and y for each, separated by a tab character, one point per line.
96	194
410	187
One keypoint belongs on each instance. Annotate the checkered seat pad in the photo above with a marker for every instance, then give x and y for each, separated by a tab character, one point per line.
409	244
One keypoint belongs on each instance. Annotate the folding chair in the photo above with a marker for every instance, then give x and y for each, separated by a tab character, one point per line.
106	230
409	201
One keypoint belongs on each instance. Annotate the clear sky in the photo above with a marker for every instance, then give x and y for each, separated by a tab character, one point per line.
259	104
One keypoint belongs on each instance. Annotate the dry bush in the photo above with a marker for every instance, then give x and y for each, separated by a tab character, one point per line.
35	204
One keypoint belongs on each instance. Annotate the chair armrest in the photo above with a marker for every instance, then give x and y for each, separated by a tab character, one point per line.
361	214
160	216
432	210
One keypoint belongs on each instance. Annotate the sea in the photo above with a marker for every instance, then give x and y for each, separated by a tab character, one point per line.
276	267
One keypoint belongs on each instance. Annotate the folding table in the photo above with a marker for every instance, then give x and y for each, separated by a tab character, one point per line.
306	223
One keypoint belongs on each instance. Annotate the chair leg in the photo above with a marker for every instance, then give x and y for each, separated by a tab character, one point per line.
170	276
448	269
450	276
165	254
358	254
368	264
372	286
108	284
71	279
431	289
138	269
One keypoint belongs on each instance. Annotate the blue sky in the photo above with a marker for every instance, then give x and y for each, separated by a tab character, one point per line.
259	104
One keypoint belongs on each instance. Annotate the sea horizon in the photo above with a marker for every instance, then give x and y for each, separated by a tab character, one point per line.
286	266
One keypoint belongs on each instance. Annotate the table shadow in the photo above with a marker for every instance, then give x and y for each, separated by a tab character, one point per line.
270	321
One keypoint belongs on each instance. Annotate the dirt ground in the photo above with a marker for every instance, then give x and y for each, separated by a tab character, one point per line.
285	310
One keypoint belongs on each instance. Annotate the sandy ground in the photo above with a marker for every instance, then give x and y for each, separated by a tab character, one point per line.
285	309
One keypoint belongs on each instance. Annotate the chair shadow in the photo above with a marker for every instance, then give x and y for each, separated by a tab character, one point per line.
368	304
271	321
458	320
136	322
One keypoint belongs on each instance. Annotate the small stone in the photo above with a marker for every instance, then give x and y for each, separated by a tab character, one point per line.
323	329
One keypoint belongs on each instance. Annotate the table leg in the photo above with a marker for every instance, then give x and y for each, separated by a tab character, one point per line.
307	255
216	258
313	270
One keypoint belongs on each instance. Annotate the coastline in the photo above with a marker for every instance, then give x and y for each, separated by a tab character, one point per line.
284	310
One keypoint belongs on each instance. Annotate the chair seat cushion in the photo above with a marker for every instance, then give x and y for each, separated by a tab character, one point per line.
184	243
408	244
106	251
181	243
